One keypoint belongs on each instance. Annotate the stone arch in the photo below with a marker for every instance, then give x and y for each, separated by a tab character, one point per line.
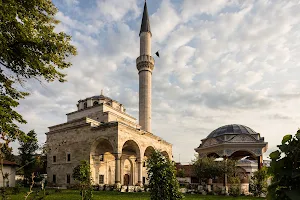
95	103
102	158
131	147
239	154
128	171
213	154
99	140
148	151
129	158
166	154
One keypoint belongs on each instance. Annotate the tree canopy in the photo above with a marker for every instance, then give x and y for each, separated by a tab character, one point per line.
162	179
207	167
82	173
29	48
285	169
27	151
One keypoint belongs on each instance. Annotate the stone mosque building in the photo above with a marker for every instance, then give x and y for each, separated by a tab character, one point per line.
101	132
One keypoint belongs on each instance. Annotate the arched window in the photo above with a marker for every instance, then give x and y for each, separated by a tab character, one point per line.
95	103
85	105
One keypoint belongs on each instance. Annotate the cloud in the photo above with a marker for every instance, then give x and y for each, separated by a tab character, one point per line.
114	10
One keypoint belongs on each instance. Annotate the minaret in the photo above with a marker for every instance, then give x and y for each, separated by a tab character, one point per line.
145	65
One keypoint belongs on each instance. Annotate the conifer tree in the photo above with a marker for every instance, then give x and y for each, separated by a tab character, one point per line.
162	178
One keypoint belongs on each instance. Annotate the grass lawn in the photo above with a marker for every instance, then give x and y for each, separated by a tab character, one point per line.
74	195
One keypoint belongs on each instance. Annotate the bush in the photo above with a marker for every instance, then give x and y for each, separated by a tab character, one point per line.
235	187
58	190
16	190
258	183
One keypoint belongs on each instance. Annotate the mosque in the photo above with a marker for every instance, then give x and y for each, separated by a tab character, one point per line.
101	132
116	146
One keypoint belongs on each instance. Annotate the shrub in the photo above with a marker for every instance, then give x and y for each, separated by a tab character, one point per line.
16	190
58	190
258	183
235	187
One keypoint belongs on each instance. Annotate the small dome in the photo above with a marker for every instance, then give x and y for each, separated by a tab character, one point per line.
234	129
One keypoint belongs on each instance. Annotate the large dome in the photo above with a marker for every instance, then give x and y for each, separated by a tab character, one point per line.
231	129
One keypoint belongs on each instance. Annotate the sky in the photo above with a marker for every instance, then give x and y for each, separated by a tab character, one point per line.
221	62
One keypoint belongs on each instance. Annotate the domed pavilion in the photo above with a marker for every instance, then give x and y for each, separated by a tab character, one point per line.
233	141
236	142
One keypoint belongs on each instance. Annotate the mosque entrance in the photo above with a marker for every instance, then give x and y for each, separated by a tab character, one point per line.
126	179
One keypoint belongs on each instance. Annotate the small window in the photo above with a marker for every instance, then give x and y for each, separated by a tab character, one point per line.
101	157
144	180
85	105
144	164
54	159
101	179
68	178
95	103
54	178
68	157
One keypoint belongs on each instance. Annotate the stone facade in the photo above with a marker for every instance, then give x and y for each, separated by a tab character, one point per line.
111	145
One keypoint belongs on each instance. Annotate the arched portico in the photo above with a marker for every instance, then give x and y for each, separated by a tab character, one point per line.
147	154
239	154
130	156
102	161
166	155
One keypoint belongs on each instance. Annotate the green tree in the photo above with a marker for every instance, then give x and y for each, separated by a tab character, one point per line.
27	151
82	173
180	173
206	168
29	48
285	169
258	182
7	152
162	179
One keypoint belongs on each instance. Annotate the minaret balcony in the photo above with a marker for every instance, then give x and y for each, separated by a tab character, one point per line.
145	63
145	58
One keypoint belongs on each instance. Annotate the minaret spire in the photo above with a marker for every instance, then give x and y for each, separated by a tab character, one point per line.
145	66
145	26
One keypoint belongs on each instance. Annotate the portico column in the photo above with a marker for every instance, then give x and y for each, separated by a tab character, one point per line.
225	176
118	168
140	172
259	162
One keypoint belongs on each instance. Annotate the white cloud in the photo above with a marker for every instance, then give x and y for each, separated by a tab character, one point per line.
114	10
164	20
190	8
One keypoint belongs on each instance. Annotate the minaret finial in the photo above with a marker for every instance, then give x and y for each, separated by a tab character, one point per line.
145	26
